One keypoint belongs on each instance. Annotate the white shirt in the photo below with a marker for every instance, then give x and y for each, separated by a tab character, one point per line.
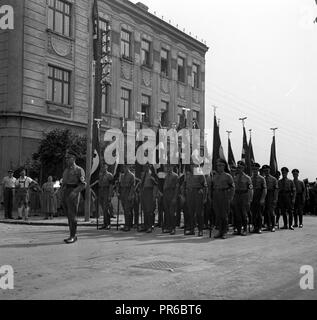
24	182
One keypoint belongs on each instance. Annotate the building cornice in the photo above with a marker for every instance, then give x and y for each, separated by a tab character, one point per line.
155	22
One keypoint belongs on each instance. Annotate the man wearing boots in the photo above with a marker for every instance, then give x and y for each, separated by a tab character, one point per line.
286	199
73	183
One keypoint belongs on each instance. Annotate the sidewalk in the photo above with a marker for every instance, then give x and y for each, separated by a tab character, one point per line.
57	221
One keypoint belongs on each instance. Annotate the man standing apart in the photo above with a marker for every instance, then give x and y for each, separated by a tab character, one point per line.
271	198
286	198
258	201
222	194
73	183
300	199
8	185
242	199
22	195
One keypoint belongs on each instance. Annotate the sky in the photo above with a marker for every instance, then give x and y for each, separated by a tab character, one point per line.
261	64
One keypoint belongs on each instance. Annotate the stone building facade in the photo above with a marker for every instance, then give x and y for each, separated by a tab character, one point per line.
45	71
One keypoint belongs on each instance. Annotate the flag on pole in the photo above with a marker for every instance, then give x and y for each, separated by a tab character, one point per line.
245	153
273	160
94	177
217	152
231	160
251	153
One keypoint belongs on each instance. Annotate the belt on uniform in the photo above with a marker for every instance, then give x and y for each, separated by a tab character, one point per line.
7	188
241	191
282	191
221	189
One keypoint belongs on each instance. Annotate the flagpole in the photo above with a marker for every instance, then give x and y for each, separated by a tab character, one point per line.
89	142
274	131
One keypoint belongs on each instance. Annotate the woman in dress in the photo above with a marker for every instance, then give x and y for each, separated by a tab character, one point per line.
49	199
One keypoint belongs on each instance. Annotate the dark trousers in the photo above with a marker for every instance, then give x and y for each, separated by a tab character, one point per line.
136	211
256	210
221	207
70	207
105	204
179	212
298	211
285	205
240	203
160	207
195	209
8	202
269	210
148	207
169	210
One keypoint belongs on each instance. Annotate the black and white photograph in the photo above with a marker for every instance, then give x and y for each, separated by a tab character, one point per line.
158	151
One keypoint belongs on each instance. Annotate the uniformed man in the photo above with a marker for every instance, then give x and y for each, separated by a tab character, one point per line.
208	210
259	195
22	185
196	196
270	199
105	192
242	199
300	199
8	185
286	198
148	194
126	195
222	194
170	193
73	183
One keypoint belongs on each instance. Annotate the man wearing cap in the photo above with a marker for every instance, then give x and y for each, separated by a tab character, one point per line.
73	183
8	185
126	195
258	201
170	193
222	194
105	192
286	198
300	199
196	196
271	198
242	199
22	186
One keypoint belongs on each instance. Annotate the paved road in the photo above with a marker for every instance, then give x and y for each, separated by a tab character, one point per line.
107	264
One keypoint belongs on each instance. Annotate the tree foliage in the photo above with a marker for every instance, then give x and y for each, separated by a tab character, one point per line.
53	148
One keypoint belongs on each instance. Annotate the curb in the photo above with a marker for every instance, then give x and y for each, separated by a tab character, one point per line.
57	224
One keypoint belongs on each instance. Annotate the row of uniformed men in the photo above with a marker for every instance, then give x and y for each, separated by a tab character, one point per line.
220	195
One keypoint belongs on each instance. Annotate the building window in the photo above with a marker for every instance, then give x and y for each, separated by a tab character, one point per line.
195	76
181	117
59	16
126	44
125	103
164	62
145	53
59	85
146	107
196	118
181	69
164	114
